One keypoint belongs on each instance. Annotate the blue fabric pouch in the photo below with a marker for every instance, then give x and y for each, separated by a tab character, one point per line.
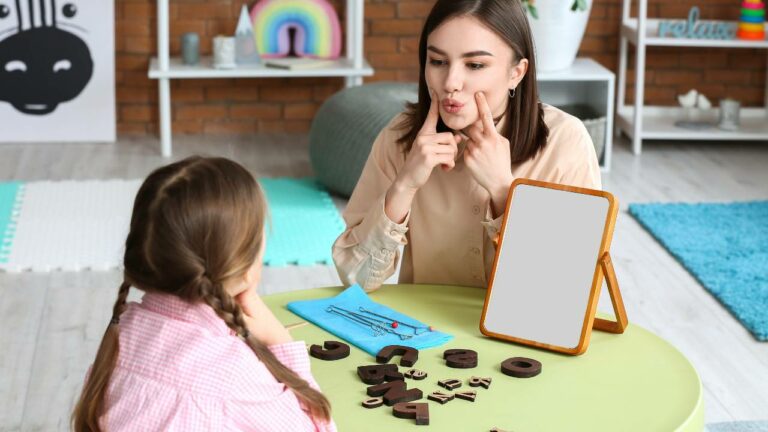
358	334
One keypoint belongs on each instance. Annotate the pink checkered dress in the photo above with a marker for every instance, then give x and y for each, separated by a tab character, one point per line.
180	368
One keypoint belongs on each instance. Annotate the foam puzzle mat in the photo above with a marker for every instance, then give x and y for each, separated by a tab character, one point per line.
79	225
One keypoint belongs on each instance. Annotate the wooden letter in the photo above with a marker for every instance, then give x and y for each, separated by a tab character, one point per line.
415	374
521	367
410	355
418	411
466	395
375	374
450	383
334	350
479	382
440	397
460	358
394	392
373	402
381	389
393	376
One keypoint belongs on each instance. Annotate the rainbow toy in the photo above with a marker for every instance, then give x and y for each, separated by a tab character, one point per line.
316	31
752	20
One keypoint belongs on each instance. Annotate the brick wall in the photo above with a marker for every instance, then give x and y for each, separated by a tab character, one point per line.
225	106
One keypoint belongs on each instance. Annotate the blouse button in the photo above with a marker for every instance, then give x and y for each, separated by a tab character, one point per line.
393	233
476	209
475	251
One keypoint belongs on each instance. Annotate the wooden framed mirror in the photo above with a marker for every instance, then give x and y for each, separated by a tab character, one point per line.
551	258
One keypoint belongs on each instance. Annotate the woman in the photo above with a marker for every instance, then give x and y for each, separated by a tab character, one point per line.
479	117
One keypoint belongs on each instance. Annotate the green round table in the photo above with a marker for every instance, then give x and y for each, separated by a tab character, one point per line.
635	381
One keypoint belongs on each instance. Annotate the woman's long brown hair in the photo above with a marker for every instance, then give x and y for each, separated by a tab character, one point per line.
524	126
196	224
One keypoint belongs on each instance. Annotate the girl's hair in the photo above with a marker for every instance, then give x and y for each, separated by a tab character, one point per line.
196	224
524	128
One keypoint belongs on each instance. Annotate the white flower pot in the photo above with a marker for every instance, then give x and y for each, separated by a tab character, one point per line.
557	33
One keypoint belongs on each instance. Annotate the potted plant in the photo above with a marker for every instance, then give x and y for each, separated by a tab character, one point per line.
558	28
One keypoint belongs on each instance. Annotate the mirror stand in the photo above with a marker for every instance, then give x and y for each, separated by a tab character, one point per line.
618	326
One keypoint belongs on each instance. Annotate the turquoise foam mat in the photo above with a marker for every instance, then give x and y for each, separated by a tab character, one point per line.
303	223
10	196
724	246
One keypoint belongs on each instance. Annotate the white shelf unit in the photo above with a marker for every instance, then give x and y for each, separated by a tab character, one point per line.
585	82
641	122
343	67
352	67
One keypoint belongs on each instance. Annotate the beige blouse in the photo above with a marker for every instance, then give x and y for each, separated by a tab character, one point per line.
448	233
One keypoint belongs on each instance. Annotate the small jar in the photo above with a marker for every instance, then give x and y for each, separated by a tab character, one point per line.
729	114
224	52
190	48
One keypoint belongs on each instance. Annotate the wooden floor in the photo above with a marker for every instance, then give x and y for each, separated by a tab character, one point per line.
50	324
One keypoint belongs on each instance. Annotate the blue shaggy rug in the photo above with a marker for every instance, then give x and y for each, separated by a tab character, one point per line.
724	246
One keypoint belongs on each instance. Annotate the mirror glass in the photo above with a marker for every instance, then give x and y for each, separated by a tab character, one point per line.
546	265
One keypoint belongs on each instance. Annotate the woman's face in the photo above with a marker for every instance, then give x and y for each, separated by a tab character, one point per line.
464	57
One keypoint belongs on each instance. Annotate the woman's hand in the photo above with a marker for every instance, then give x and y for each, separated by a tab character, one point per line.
429	149
488	157
261	322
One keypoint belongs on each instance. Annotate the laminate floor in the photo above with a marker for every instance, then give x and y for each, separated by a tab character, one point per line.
51	323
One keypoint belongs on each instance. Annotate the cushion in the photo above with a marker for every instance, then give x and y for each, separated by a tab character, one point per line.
346	126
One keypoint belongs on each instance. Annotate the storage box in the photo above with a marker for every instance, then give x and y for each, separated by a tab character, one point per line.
594	123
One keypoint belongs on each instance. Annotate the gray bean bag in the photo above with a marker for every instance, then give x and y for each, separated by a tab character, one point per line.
345	127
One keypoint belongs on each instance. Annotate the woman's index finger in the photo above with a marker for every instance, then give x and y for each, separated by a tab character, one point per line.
485	114
430	123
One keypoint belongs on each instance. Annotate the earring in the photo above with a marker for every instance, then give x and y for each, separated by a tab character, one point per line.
511	93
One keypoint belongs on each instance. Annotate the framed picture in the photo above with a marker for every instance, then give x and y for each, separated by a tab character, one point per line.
57	70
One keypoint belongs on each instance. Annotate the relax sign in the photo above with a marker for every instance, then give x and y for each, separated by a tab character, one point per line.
693	29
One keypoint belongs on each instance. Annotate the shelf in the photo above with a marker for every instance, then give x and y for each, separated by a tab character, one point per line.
629	31
659	123
586	82
583	69
352	67
343	67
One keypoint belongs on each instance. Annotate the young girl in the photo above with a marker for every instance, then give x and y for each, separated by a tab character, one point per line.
201	352
479	118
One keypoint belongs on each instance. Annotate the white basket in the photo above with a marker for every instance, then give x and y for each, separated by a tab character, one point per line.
594	123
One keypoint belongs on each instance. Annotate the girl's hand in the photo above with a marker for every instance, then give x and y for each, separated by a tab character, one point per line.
488	157
428	150
261	322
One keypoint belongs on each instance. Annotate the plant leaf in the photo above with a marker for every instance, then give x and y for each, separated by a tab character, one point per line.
532	10
579	5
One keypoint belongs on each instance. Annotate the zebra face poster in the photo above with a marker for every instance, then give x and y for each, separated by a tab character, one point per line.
57	70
